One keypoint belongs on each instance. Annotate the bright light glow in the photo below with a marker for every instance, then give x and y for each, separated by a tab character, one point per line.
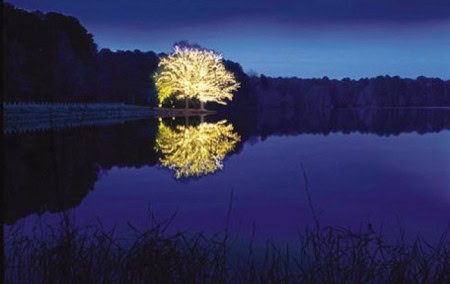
194	73
195	150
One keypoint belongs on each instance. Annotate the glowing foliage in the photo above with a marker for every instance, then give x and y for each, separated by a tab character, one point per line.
195	150
191	72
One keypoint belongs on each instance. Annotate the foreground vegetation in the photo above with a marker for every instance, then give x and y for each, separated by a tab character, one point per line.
70	254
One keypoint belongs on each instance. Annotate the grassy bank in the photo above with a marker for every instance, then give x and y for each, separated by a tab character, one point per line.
24	117
168	112
70	254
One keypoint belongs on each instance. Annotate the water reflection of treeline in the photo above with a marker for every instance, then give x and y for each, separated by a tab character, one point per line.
51	57
54	170
382	122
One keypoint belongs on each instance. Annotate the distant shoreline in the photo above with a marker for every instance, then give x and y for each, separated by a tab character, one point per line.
31	117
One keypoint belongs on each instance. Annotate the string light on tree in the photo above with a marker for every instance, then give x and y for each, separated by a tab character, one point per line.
194	73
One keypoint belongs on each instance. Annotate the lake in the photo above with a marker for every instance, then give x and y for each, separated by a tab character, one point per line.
271	172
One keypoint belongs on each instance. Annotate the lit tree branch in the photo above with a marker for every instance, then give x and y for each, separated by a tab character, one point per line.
194	73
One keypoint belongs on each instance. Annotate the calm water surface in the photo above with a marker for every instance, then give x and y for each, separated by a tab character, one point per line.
389	168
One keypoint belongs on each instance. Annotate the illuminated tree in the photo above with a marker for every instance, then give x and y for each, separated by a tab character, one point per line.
191	72
195	150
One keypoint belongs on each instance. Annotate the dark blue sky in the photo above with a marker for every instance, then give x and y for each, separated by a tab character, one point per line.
304	38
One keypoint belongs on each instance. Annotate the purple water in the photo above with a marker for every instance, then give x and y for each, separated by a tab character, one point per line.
395	181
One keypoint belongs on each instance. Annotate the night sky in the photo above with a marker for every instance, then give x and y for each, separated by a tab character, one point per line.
304	38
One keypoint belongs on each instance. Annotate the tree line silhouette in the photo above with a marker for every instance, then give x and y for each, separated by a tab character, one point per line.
381	91
53	58
49	57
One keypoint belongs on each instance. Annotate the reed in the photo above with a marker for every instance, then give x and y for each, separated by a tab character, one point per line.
67	253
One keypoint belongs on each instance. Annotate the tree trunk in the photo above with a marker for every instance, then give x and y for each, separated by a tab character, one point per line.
186	106
202	105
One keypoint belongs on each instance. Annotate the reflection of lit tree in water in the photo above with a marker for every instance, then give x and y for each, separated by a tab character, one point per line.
195	150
